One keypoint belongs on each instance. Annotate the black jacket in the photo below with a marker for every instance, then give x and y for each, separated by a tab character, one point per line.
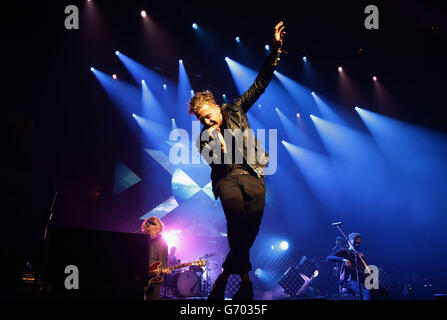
348	273
158	250
235	117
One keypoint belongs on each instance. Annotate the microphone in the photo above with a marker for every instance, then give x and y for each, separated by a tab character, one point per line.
336	224
152	222
213	132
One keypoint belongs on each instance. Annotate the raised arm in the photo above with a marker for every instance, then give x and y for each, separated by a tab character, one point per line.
246	100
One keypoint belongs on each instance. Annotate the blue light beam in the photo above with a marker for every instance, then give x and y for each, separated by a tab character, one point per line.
184	90
244	77
318	172
151	108
326	111
299	93
124	95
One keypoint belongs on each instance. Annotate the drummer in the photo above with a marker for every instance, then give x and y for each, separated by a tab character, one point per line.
172	259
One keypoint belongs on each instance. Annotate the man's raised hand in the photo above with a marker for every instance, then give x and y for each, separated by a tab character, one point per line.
279	35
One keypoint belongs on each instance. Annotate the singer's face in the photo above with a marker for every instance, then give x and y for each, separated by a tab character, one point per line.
210	116
154	231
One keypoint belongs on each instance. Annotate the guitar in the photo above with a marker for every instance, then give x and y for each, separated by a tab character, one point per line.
360	256
364	263
155	269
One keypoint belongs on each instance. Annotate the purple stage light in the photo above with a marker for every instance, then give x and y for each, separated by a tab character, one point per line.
172	237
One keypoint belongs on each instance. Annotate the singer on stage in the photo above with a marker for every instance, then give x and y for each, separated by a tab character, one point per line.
238	184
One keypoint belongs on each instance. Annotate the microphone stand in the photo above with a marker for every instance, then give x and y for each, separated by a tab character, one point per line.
50	217
40	252
351	247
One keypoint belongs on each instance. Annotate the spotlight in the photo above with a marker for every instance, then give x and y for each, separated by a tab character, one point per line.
304	59
276	109
195	26
92	69
143	14
298	115
133	115
142	81
374	78
237	39
192	93
171	237
258	272
117	52
311	115
267	47
226	59
224	96
272	247
312	93
284	245
180	61
165	86
340	69
114	76
282	141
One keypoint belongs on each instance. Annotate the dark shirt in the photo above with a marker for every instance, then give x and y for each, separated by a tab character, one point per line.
235	155
348	273
337	264
158	251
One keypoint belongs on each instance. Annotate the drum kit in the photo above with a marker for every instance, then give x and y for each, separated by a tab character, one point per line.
192	282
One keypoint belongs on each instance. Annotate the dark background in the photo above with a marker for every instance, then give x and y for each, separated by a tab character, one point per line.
63	135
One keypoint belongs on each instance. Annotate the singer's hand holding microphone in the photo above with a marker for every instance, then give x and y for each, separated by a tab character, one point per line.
214	132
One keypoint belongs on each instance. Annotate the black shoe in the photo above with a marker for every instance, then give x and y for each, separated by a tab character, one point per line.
218	291
245	291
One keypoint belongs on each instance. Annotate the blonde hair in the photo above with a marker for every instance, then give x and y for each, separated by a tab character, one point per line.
200	99
146	225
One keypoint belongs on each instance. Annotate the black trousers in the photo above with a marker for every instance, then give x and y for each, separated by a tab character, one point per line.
353	288
152	292
243	201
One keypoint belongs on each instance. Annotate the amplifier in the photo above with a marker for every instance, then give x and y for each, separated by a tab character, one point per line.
89	264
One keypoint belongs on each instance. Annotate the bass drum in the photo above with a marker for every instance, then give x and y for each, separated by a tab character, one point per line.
188	285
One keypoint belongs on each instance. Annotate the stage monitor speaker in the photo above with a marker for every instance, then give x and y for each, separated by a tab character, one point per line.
293	279
110	265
